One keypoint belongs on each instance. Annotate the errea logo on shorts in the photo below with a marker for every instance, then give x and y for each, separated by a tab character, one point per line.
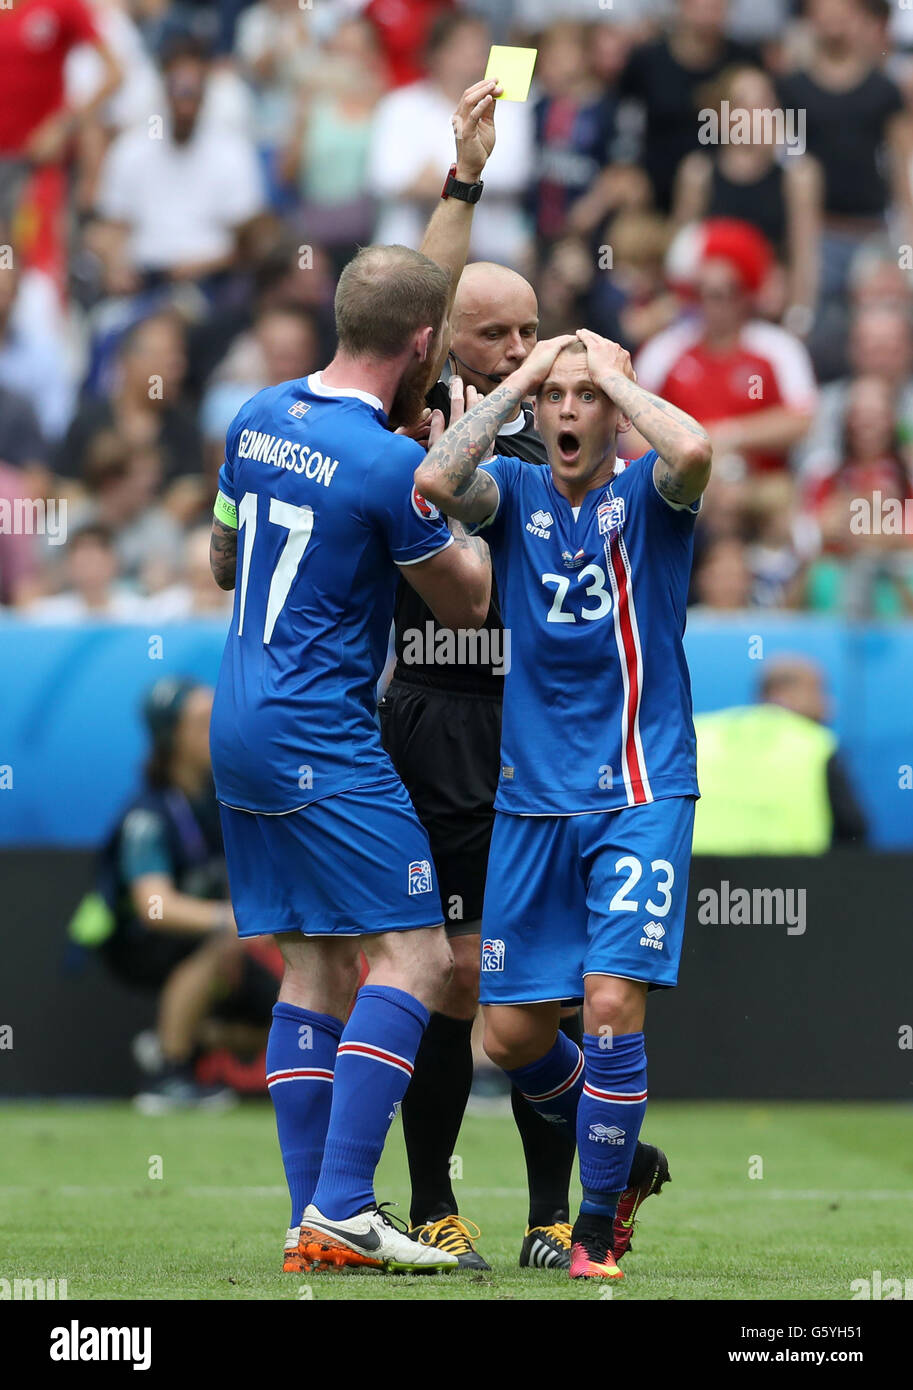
492	954
539	523
653	934
420	880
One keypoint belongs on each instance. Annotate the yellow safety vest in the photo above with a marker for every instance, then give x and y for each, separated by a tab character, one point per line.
762	774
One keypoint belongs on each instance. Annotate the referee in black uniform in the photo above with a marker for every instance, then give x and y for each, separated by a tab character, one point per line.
441	725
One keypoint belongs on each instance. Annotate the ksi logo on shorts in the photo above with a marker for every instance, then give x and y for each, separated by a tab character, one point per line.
419	877
492	954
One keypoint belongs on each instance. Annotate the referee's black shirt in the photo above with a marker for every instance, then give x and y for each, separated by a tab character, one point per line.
516	440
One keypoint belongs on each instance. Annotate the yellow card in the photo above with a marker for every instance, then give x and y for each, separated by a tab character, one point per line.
513	67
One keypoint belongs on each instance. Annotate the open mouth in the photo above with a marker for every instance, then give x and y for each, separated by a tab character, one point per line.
568	446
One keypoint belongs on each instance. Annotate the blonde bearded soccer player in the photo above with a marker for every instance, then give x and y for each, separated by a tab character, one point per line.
587	875
316	518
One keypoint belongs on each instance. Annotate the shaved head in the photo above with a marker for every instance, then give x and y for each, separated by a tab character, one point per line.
494	323
485	284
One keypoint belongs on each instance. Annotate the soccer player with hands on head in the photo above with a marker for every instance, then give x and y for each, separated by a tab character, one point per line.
587	875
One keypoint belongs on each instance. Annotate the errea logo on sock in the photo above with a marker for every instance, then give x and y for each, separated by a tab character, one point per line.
606	1134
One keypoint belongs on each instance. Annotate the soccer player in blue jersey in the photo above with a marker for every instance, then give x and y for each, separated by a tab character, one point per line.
316	518
588	870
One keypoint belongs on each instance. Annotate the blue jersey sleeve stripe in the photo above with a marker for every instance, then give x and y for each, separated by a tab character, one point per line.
417	559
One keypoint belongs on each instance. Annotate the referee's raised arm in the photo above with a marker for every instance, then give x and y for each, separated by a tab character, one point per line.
446	239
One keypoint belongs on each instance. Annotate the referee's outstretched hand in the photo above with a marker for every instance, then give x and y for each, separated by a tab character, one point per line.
421	430
462	398
474	129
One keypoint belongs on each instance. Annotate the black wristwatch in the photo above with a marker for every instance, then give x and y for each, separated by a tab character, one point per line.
466	192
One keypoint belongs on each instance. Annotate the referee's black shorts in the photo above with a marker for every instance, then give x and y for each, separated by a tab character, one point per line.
446	748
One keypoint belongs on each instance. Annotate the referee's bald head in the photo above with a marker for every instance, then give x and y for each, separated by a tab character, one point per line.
485	282
385	295
494	323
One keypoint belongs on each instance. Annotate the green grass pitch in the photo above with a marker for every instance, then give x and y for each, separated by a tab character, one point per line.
77	1201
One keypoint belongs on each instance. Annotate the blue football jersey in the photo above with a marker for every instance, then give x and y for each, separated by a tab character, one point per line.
323	497
597	698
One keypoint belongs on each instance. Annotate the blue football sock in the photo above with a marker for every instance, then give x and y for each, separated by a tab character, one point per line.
300	1057
552	1086
609	1118
373	1068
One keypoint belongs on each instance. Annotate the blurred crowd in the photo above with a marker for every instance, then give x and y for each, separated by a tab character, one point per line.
181	183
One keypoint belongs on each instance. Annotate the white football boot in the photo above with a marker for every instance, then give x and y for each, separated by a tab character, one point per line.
369	1240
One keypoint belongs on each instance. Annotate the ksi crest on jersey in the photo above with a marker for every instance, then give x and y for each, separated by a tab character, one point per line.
610	515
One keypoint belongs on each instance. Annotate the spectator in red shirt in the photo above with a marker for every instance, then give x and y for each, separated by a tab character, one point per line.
35	126
749	382
404	27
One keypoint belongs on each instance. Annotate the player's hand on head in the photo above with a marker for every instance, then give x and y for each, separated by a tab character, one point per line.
420	431
473	125
540	361
604	356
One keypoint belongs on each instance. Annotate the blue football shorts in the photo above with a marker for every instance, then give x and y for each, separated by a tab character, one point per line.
353	864
570	896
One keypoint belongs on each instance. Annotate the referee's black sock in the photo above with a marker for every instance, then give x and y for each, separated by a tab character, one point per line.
549	1151
432	1112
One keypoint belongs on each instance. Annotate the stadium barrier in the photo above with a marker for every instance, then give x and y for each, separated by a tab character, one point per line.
71	740
795	984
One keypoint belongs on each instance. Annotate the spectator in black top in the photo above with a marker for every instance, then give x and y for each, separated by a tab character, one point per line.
669	77
859	130
781	196
170	928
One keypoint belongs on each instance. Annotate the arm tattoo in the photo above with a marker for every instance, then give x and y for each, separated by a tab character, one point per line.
466	542
658	421
670	485
681	471
461	448
223	554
